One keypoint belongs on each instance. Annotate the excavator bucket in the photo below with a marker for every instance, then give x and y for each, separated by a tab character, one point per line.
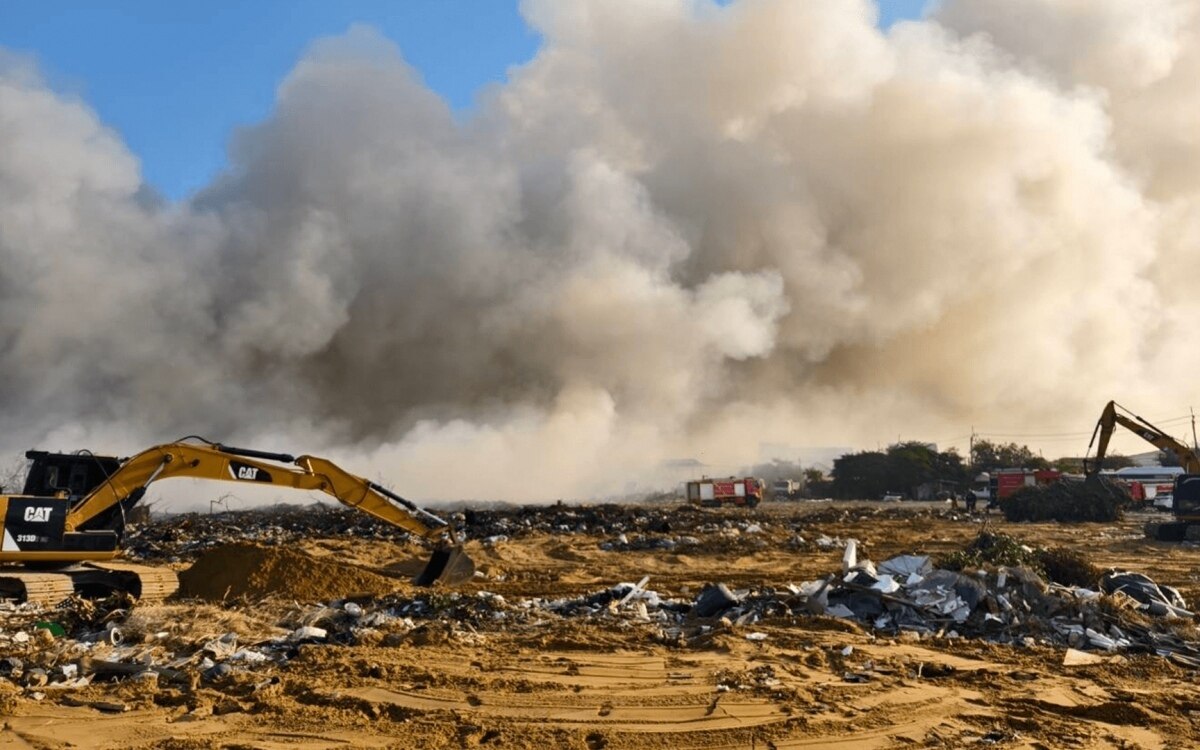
449	565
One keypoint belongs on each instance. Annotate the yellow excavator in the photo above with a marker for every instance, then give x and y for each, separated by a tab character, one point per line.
1186	496
61	534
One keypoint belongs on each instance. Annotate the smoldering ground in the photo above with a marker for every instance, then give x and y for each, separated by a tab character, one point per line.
682	229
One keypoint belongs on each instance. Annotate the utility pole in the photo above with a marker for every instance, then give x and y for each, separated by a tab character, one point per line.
1195	445
971	453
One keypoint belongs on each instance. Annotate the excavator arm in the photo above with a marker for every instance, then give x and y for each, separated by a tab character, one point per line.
1110	418
124	487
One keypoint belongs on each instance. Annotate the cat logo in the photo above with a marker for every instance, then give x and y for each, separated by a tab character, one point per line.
248	473
38	515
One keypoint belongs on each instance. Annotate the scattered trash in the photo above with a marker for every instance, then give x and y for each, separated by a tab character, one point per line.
1004	605
1158	601
713	600
998	590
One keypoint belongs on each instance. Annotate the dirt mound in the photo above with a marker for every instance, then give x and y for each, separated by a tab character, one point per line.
246	570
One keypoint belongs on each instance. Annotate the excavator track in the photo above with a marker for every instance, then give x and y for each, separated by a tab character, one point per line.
44	588
145	583
94	579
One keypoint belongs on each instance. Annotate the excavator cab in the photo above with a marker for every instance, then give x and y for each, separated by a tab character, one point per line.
1186	508
75	474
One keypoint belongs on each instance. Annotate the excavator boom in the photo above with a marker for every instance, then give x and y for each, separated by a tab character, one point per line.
1186	495
61	521
1111	417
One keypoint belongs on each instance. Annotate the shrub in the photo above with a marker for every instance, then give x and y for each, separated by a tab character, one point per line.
1096	499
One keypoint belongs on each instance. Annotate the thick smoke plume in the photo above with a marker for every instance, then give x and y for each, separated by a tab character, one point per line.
681	230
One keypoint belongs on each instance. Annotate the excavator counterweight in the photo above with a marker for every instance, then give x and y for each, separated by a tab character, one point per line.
68	522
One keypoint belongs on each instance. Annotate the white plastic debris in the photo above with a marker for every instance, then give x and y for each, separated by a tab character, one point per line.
847	651
1100	640
886	584
850	556
756	636
635	589
308	632
222	647
249	656
353	609
906	566
840	610
961	612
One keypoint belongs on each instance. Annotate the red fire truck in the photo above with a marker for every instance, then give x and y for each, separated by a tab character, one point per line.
744	491
1007	481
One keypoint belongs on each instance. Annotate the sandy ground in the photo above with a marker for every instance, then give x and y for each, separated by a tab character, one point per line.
557	683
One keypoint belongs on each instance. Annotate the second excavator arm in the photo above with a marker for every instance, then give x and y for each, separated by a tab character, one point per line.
1110	418
124	487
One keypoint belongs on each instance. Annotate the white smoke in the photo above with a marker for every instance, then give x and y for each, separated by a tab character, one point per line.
681	230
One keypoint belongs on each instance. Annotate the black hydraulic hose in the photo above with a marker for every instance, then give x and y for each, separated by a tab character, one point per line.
425	515
286	458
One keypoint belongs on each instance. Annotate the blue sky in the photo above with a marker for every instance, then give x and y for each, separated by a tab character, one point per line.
175	78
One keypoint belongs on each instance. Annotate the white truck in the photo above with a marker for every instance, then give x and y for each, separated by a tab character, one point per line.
785	489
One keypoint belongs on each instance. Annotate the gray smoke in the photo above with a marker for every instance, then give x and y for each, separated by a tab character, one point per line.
681	230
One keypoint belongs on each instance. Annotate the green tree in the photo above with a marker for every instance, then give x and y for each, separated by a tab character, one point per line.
1071	465
775	470
903	468
861	475
987	456
911	465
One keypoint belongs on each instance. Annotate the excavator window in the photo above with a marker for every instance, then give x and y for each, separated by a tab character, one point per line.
77	485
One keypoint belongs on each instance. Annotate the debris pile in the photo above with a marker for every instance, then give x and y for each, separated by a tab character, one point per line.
1003	604
1097	499
620	528
1057	564
189	535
